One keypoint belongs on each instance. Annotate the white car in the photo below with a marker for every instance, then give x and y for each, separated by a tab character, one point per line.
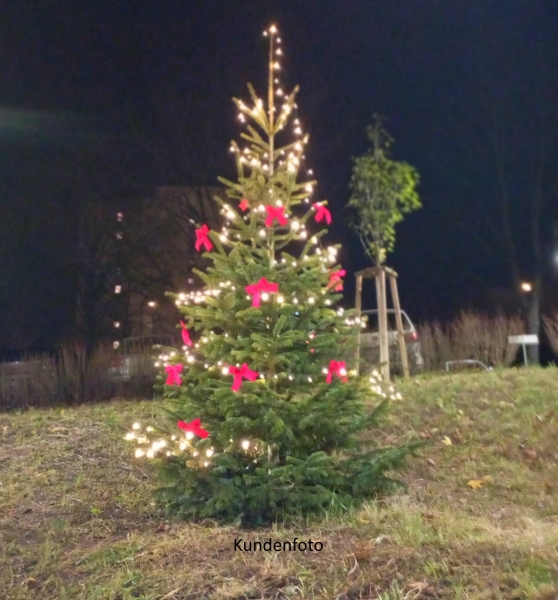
134	358
370	339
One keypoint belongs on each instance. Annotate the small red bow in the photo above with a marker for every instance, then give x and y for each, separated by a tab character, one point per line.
275	212
239	373
186	335
173	377
203	238
256	290
322	213
336	368
193	427
244	204
335	279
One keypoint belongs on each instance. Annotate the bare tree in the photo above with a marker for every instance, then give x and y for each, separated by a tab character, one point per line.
510	143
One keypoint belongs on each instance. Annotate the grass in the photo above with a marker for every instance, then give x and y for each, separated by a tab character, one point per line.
77	520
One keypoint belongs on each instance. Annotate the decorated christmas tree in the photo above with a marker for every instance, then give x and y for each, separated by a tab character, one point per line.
269	420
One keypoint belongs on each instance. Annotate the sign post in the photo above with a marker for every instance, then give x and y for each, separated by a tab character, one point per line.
524	340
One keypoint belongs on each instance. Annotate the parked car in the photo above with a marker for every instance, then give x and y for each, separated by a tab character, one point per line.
370	339
134	359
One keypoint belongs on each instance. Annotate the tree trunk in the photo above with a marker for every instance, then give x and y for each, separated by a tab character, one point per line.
533	322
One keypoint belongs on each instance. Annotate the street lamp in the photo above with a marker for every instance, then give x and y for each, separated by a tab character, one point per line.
526	287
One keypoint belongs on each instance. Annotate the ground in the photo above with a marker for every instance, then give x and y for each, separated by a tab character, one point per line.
478	519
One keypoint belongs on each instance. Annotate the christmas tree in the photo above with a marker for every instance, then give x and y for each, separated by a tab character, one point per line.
268	418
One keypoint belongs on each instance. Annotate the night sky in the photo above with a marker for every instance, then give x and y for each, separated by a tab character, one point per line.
445	75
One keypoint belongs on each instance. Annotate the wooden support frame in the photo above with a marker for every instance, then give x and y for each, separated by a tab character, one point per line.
379	275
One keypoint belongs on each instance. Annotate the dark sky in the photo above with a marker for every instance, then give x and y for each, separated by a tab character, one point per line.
446	75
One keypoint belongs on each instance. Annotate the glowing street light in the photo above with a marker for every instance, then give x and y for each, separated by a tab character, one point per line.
526	287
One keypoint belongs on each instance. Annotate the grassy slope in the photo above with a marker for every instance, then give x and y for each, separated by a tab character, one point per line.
77	520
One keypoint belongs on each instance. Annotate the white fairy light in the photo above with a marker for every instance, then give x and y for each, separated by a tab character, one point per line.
225	370
139	453
136	426
209	452
245	444
280	299
295	225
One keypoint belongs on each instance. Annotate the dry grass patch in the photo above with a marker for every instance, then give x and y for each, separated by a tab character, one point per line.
77	520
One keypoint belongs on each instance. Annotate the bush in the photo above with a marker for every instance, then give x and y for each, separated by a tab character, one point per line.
550	326
70	377
470	336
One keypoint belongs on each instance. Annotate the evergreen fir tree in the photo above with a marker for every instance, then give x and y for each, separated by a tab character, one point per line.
271	422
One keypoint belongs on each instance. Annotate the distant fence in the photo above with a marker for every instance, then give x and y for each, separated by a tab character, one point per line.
68	378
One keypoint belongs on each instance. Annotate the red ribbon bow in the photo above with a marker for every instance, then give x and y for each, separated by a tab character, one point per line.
244	204
336	368
256	290
186	335
193	427
322	213
203	238
173	374
275	212
335	279
239	373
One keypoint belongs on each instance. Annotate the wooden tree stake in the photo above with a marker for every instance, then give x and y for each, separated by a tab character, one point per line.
379	275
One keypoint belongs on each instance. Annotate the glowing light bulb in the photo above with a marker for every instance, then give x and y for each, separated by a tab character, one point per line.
139	453
209	452
280	299
245	444
136	426
189	435
225	370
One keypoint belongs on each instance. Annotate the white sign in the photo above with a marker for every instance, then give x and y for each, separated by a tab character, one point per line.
529	340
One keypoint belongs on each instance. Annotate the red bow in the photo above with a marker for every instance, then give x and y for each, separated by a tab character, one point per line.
186	335
256	289
244	204
338	369
173	377
203	239
239	373
322	213
275	213
193	427
335	279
